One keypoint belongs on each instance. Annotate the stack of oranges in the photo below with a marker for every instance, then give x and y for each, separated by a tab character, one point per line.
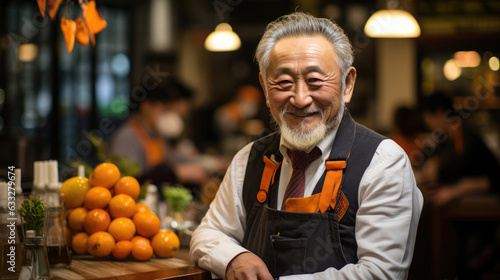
105	219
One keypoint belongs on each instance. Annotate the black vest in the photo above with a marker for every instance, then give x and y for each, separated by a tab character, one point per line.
363	148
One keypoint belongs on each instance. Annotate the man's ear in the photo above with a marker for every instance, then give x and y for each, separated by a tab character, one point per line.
350	80
263	85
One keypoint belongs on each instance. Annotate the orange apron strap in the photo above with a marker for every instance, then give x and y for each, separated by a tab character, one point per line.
328	196
267	178
331	186
154	149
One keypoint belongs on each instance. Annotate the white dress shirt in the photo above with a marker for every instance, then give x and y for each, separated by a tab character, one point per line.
386	222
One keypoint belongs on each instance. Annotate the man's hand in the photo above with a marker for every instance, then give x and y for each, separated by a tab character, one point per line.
247	266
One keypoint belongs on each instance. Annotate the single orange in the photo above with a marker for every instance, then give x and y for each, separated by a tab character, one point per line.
76	218
122	249
79	243
142	251
147	223
141	207
105	175
122	228
165	244
100	244
122	205
97	197
96	220
128	185
73	191
139	239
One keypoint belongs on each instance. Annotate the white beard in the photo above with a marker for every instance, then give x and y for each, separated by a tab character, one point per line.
306	139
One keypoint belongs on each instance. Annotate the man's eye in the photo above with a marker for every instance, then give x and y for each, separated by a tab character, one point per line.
285	83
313	80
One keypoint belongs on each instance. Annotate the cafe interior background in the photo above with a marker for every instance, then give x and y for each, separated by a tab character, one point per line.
51	102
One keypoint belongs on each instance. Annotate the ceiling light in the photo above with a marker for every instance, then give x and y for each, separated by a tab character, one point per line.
223	39
392	24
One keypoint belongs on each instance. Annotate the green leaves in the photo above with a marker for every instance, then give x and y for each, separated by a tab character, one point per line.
33	213
178	198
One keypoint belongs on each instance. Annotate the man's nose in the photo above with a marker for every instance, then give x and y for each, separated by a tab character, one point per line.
301	97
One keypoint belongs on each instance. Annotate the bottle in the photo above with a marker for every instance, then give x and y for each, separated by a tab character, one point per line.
57	247
152	199
35	259
38	178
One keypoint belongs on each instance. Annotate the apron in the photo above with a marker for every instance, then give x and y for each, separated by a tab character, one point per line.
154	149
305	239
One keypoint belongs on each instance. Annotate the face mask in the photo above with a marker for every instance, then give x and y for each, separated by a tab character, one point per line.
169	125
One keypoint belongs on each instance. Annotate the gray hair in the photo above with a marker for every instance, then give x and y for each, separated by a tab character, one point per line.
300	24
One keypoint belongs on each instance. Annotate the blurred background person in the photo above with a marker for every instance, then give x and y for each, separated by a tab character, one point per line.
462	165
144	138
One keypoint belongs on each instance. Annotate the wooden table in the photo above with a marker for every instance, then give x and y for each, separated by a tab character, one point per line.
88	267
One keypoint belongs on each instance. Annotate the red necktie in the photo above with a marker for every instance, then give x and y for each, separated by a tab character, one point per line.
300	160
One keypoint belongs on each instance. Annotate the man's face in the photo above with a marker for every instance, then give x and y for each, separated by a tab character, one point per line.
304	83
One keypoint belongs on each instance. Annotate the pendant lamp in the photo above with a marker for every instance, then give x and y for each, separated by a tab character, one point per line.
223	39
392	23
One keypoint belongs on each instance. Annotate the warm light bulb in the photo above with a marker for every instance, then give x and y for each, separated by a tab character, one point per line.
452	70
392	24
222	39
27	52
467	59
494	63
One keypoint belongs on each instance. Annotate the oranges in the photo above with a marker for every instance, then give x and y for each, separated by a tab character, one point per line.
141	207
141	248
73	190
147	223
76	218
96	220
97	197
122	205
79	243
105	220
128	185
122	249
100	244
105	175
165	244
122	229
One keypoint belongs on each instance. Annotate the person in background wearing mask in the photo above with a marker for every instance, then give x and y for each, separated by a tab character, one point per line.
143	138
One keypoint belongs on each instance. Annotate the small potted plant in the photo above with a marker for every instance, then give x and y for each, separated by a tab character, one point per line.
35	260
178	201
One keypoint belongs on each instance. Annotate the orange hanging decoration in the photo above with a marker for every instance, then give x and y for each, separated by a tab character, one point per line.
53	8
82	34
94	20
42	5
68	28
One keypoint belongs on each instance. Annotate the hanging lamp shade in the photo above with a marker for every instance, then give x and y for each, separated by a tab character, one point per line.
392	24
223	39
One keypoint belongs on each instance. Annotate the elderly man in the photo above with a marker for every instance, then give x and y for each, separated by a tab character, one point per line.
324	197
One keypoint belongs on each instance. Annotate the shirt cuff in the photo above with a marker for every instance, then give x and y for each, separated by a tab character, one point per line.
222	255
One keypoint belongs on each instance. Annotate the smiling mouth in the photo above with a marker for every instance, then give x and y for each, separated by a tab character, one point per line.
302	114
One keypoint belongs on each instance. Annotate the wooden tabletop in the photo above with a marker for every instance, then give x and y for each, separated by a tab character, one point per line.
88	267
